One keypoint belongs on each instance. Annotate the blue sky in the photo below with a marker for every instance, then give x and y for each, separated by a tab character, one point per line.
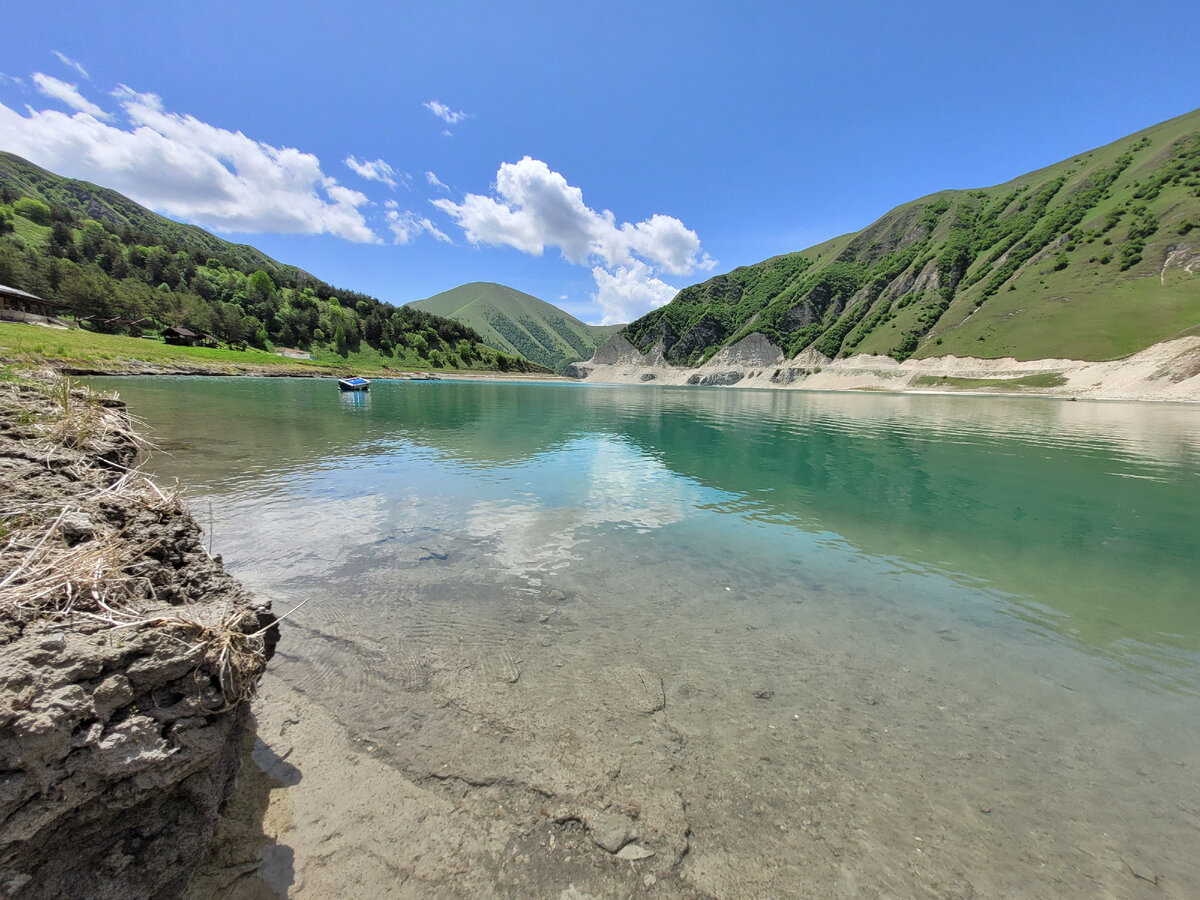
599	156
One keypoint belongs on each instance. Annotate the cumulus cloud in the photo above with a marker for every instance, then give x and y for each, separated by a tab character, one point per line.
73	64
436	182
535	207
407	226
629	292
445	113
179	165
376	170
68	94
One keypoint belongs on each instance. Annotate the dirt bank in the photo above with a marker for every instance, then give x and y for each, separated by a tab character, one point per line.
126	658
1166	371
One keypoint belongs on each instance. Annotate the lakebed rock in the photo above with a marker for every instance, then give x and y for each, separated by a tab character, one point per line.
119	717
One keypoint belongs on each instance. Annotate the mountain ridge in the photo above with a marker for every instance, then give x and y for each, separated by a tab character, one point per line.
1058	262
125	269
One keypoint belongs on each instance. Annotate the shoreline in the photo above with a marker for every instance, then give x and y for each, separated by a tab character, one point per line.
127	655
514	757
1169	371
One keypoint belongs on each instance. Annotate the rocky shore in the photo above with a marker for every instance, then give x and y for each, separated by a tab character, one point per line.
1166	371
127	659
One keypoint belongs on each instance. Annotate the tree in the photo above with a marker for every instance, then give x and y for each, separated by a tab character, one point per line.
35	211
260	288
61	241
339	340
231	324
88	295
254	331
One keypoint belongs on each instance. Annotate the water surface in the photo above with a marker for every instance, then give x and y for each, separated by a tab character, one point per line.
871	641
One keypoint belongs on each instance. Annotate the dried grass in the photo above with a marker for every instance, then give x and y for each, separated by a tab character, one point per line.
46	574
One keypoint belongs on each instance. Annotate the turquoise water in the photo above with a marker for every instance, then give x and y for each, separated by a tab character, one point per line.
1031	564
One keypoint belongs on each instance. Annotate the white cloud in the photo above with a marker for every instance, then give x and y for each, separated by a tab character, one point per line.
179	165
535	207
73	64
436	182
629	292
407	226
376	170
445	113
68	93
11	79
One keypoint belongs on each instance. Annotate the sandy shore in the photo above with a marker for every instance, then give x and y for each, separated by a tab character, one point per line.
1168	371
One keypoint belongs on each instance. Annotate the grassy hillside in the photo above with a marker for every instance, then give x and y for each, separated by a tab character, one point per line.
1093	258
519	323
119	268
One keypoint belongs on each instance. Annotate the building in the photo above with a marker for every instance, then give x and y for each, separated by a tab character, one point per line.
22	306
180	336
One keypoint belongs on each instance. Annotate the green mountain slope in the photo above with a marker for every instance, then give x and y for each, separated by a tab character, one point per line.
120	268
516	322
1093	258
89	201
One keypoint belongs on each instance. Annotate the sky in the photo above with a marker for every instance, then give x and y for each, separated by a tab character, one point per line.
599	156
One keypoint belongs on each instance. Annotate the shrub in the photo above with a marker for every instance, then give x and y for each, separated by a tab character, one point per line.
34	210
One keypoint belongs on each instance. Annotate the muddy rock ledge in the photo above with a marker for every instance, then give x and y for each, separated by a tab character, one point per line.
127	656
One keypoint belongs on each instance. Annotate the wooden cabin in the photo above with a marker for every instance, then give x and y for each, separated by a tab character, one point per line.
180	336
22	306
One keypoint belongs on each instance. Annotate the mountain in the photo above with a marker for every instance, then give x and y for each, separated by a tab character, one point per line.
1093	258
520	323
20	178
121	268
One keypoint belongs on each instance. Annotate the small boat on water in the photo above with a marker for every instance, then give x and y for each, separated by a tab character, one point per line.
358	383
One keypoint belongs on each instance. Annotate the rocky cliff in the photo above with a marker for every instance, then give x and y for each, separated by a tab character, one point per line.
126	655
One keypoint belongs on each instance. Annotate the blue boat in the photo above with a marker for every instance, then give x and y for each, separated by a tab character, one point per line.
358	383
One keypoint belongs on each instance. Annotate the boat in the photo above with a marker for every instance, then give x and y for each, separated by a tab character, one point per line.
357	383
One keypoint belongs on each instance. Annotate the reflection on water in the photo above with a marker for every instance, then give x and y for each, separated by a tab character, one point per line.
861	617
1079	518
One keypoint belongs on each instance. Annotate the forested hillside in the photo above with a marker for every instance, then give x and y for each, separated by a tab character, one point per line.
520	323
120	268
1093	258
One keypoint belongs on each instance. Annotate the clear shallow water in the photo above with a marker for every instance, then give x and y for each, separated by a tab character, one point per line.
995	579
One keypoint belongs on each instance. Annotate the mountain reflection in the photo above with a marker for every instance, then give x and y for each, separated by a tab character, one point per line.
1079	517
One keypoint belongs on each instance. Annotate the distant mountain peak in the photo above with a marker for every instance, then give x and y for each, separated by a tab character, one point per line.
515	322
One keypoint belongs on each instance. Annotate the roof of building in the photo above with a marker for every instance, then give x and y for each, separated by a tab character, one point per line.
181	331
13	292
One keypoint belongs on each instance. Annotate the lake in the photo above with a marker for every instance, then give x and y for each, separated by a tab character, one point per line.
789	643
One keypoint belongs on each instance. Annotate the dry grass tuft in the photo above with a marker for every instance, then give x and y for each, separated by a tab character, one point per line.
51	567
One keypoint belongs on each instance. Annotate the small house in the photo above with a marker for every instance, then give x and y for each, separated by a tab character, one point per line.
22	306
180	336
